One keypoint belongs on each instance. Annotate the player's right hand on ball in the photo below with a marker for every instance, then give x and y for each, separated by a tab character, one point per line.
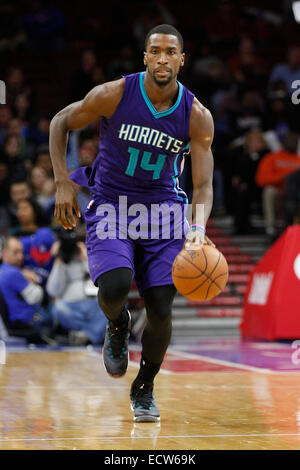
195	239
65	201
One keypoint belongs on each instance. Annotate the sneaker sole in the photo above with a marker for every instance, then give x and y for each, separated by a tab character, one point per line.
144	418
115	376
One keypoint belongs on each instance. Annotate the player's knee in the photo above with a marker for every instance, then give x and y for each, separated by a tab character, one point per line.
158	303
159	325
114	286
159	317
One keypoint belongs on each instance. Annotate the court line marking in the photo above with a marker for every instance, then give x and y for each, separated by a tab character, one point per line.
105	438
203	387
235	365
178	352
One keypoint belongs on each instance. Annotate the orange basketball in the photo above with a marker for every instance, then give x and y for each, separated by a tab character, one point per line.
200	274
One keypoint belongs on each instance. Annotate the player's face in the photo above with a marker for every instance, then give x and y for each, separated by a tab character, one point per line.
163	58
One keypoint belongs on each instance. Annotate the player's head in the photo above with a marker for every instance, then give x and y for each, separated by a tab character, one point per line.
163	54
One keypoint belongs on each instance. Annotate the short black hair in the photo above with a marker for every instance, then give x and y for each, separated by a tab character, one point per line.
165	29
19	179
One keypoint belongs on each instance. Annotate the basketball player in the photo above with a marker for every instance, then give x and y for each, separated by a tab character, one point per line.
147	120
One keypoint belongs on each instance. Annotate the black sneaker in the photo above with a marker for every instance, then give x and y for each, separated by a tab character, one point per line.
143	402
115	348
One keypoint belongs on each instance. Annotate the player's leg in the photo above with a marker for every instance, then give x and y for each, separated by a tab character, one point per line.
111	266
114	287
153	268
155	341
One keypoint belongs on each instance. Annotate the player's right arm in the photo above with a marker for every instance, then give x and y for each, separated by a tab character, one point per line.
100	101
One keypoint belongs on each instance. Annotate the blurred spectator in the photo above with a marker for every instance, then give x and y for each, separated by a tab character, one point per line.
15	85
43	188
87	155
82	79
45	27
4	183
11	155
22	296
22	108
30	217
125	64
247	66
4	197
98	75
249	113
245	160
277	116
43	160
19	190
38	132
223	26
17	129
289	71
5	117
149	18
87	152
37	253
271	174
211	77
11	35
73	309
38	176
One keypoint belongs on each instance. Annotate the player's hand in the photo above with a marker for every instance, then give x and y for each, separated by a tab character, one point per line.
195	239
65	201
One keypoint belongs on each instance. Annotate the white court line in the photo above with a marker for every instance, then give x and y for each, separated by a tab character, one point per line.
109	438
179	353
227	363
218	361
185	355
204	387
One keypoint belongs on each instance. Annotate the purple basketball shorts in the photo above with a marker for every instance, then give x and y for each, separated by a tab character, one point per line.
143	238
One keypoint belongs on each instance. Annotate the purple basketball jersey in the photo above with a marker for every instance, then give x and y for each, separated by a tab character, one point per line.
141	149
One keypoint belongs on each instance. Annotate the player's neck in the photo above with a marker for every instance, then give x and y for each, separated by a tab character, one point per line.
162	97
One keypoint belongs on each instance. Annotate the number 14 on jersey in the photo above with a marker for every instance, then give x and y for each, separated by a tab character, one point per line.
144	163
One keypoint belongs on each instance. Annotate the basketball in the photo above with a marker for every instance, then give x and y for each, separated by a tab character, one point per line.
200	274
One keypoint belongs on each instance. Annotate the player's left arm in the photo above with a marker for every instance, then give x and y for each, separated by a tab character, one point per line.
201	137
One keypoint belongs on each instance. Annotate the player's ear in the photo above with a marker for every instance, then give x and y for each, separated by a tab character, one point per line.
145	58
182	59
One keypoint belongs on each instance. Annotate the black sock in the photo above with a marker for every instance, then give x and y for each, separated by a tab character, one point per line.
122	318
148	370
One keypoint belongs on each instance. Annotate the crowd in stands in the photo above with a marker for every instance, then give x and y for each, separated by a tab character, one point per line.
241	62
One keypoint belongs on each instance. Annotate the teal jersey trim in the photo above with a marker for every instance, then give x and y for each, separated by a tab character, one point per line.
159	114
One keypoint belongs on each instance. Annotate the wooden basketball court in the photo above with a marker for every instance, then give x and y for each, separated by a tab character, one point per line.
63	399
